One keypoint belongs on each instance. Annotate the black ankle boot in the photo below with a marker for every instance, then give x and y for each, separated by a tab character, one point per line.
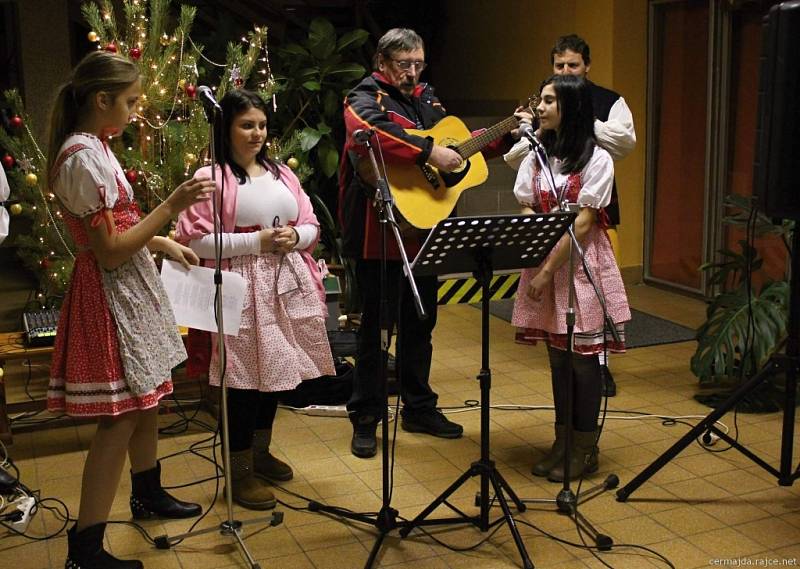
85	551
149	499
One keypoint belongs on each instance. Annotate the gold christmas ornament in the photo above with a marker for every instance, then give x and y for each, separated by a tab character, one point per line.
164	40
92	36
15	209
293	163
182	83
31	179
172	234
190	159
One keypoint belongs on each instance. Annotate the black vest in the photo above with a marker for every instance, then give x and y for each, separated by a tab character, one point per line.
602	101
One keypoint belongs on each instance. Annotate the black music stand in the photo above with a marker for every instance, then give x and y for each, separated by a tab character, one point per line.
482	245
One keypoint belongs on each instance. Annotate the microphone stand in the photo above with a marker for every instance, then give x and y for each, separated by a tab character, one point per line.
231	526
568	501
386	519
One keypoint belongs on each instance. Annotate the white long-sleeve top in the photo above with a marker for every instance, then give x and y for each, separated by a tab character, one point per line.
617	135
264	201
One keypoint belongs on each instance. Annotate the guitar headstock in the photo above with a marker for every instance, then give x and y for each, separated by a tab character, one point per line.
533	102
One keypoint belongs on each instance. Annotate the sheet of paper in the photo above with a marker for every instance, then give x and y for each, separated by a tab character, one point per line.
191	293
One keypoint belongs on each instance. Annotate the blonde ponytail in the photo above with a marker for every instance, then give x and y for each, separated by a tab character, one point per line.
98	71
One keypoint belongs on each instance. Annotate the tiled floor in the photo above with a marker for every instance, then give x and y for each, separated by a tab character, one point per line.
700	510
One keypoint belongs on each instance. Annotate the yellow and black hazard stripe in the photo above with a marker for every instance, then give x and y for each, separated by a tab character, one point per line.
469	291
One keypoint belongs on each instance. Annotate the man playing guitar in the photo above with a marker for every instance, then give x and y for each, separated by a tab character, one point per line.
388	102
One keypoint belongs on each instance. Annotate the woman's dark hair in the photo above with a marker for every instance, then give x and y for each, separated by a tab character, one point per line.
233	104
574	141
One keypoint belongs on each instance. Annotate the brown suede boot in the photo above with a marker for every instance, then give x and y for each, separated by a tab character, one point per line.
249	491
584	458
554	457
265	464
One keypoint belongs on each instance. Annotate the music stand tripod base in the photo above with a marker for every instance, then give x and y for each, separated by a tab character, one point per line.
481	245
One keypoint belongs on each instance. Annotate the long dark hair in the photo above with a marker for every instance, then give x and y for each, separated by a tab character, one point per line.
233	104
98	71
574	141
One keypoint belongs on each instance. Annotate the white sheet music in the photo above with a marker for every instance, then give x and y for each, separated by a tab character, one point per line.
191	293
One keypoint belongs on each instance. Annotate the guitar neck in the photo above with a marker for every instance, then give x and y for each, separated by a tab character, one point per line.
476	143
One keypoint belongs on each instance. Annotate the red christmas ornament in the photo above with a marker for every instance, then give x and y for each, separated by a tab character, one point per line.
238	83
132	176
8	161
135	53
44	263
191	90
16	121
111	48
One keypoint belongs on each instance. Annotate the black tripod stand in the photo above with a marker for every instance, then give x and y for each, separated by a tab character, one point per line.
483	244
385	520
787	362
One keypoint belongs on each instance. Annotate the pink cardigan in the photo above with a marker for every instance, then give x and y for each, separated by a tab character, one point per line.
197	221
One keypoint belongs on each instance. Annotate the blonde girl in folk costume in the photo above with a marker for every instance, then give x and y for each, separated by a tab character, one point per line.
117	340
268	233
584	174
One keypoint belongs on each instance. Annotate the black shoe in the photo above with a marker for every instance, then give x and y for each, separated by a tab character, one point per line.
432	422
364	443
150	500
85	551
609	386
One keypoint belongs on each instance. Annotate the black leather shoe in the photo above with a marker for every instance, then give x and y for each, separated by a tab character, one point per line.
609	386
364	443
432	422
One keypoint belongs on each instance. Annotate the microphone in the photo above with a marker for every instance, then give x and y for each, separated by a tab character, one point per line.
210	104
527	131
362	135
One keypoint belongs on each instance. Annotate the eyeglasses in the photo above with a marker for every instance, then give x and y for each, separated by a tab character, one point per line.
406	64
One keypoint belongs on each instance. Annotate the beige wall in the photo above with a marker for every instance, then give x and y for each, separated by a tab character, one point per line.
45	52
498	52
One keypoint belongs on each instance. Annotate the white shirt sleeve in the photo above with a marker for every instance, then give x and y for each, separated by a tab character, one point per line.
306	234
517	153
617	134
233	245
597	179
523	185
86	183
238	244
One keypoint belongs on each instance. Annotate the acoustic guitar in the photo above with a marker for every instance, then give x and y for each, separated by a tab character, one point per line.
422	194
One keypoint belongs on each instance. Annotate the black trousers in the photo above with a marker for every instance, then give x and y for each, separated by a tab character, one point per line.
414	348
248	410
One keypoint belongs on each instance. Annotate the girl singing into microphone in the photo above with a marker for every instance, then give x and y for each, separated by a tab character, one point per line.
579	172
268	232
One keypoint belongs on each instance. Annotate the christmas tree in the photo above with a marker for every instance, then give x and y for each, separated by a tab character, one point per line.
161	147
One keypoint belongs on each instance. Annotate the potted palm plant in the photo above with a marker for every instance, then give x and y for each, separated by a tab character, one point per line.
745	324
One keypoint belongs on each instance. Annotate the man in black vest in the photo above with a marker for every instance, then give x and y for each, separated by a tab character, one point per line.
613	128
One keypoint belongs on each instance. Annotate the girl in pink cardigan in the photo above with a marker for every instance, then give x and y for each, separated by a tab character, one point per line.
268	233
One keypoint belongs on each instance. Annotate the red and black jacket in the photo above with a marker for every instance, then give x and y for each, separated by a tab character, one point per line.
376	104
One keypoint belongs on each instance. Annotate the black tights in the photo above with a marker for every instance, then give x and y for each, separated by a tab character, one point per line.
587	389
248	410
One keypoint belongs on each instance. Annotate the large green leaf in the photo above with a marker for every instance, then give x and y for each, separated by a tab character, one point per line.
328	157
352	40
293	49
726	336
309	137
321	38
347	71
